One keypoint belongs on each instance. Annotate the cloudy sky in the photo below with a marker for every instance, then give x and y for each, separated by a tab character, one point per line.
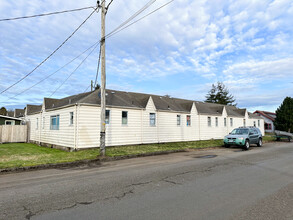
180	50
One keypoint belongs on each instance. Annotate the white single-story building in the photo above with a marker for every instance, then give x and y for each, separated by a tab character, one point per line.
131	118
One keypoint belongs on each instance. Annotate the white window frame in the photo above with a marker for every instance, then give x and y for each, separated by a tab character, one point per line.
123	121
152	119
55	127
231	122
244	122
209	121
188	124
217	122
178	117
258	123
107	119
71	118
12	122
225	122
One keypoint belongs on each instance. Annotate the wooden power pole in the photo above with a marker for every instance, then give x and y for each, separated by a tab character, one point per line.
103	81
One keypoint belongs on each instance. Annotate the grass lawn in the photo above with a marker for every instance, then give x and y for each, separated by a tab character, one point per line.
23	154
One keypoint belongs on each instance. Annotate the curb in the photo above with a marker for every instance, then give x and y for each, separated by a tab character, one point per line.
88	163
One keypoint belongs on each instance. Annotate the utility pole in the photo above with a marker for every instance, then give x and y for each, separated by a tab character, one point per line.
103	81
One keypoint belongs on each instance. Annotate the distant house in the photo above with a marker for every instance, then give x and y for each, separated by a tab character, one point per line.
269	118
131	118
7	120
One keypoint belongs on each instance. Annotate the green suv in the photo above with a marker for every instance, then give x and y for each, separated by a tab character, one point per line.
244	136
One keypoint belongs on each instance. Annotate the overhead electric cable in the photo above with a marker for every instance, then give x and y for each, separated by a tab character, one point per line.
46	14
117	31
42	80
50	54
133	16
74	71
98	67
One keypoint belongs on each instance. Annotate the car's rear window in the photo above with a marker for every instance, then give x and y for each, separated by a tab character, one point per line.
240	131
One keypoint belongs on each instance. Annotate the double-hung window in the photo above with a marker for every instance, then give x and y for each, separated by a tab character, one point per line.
107	117
225	122
178	120
54	122
124	117
209	121
152	119
216	121
188	120
258	123
254	123
71	116
37	124
244	122
231	122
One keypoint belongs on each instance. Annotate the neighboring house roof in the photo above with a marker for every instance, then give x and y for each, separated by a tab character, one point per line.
18	113
137	100
11	118
10	114
269	115
252	115
31	109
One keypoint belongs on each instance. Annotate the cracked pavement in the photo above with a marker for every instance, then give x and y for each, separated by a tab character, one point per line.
174	186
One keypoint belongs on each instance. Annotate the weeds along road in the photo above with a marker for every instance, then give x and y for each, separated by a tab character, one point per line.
204	184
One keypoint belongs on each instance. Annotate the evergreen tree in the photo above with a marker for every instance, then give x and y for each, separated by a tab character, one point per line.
220	94
284	116
3	111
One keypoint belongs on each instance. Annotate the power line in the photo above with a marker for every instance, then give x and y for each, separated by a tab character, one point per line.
74	71
25	90
132	17
50	54
46	14
117	31
98	67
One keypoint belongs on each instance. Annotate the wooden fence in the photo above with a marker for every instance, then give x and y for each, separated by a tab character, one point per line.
13	133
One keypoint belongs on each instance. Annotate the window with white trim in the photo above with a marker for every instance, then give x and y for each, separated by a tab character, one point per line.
71	117
43	126
231	122
244	122
37	124
124	117
209	121
107	117
225	122
216	122
152	119
9	122
178	120
54	122
188	120
258	123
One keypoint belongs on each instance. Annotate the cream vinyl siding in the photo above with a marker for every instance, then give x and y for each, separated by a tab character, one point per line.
62	137
85	130
88	134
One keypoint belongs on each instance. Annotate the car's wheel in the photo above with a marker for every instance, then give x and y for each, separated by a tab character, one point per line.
246	145
226	145
259	143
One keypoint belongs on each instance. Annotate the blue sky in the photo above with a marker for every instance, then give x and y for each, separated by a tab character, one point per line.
180	50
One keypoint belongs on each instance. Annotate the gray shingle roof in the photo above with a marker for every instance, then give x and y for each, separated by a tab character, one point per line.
139	100
31	109
18	113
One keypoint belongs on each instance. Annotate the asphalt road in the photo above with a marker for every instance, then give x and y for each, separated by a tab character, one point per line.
205	184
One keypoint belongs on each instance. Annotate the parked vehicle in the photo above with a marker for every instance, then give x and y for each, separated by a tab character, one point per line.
244	137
